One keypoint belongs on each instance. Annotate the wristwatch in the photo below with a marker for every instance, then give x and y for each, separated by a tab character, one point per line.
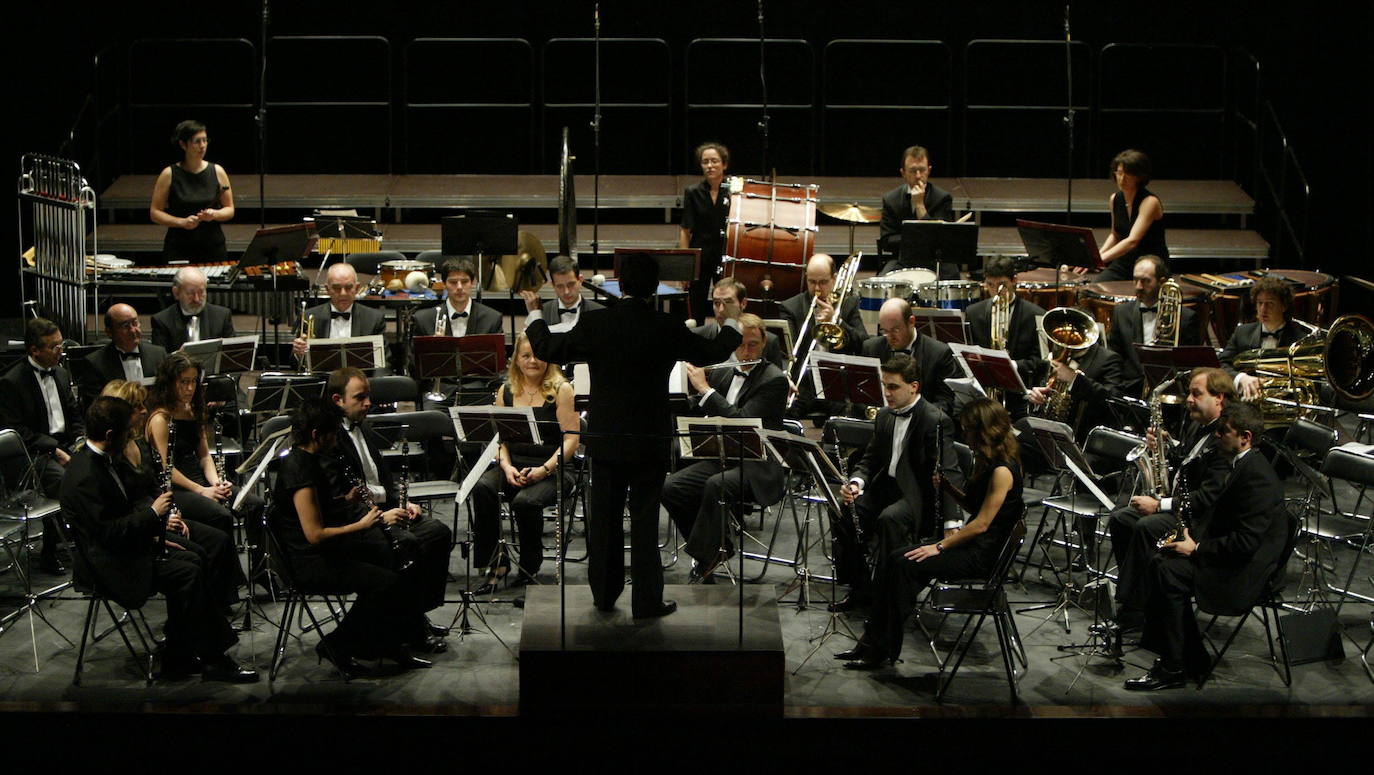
939	547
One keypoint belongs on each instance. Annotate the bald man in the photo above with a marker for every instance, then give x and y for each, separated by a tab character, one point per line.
897	334
190	319
820	283
126	356
342	316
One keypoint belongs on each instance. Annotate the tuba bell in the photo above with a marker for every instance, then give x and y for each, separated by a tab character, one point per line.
1343	356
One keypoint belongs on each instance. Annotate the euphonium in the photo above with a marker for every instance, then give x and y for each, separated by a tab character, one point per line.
1168	310
1343	356
1070	331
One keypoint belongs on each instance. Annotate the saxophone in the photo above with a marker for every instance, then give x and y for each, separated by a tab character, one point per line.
1154	468
1182	512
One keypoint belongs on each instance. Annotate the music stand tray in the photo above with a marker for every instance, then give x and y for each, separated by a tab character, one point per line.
783	328
1056	442
854	378
475	234
451	357
943	325
582	381
276	393
1160	363
1055	244
802	454
359	352
931	243
507	424
722	439
674	264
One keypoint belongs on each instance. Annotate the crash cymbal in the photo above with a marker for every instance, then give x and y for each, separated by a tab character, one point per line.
852	212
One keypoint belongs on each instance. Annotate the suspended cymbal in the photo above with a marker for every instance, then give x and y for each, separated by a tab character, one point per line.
852	212
525	271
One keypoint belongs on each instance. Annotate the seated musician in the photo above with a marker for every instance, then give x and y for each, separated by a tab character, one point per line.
41	408
798	312
1224	559
993	498
1275	327
126	356
1135	529
332	551
569	305
119	533
462	317
178	399
1137	218
705	209
917	199
527	473
897	334
728	301
191	318
358	456
692	496
342	316
141	473
1023	331
890	489
1092	377
1133	322
191	198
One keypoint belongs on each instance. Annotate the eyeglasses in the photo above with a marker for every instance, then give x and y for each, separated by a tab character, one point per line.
126	324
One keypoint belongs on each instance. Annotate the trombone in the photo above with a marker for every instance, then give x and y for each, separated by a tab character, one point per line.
830	332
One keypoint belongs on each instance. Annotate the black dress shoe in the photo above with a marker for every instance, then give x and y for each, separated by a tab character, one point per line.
850	603
407	661
432	644
435	630
663	609
1159	677
340	659
870	661
227	670
177	666
859	651
697	575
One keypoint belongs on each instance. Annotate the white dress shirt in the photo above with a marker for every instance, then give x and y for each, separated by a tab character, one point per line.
340	327
193	324
133	367
457	326
57	422
369	472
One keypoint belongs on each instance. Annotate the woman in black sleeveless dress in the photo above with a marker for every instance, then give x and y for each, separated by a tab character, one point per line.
705	208
1137	218
526	472
191	198
993	497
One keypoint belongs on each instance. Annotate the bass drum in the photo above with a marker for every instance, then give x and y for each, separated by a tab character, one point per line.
769	236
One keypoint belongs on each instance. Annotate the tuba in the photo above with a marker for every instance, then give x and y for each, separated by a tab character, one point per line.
1070	331
1343	356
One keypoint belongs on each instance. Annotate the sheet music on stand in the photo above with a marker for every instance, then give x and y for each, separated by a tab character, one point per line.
1160	362
1056	442
582	380
783	328
451	357
802	454
716	438
854	378
506	424
359	352
989	368
223	356
278	393
943	325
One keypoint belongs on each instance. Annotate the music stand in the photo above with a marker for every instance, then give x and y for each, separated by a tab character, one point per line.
1160	363
932	243
942	325
278	393
1059	245
783	328
359	352
478	234
237	354
992	370
455	357
853	379
675	265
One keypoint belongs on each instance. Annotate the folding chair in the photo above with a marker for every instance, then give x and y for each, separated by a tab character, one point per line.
297	603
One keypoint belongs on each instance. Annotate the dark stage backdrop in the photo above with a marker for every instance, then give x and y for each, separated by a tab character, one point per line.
1315	67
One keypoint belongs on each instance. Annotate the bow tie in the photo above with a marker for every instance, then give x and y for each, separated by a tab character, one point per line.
345	315
567	310
1278	333
456	315
50	373
904	412
132	356
741	373
1143	310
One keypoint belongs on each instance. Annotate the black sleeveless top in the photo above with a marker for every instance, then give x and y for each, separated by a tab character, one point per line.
1152	244
1013	508
189	194
706	221
186	451
546	420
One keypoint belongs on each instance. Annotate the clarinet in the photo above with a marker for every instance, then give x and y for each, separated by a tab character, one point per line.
403	487
357	481
935	467
219	449
166	483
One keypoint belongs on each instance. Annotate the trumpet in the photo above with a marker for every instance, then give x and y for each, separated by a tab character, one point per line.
305	330
436	392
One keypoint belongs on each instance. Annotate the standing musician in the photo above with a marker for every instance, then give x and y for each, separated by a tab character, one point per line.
191	318
917	199
692	496
891	488
191	198
1224	560
897	335
126	356
332	550
569	305
1275	327
1137	218
1023	330
728	300
1135	529
40	406
993	498
342	316
630	349
1092	377
815	300
705	209
463	317
1134	321
528	473
428	541
119	534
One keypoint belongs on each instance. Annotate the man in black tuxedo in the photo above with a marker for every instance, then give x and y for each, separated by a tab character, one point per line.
1093	376
820	282
1137	528
693	495
190	319
118	541
463	316
567	309
897	334
1224	559
1275	327
39	406
728	300
126	356
1134	321
917	199
1023	329
428	541
891	489
630	349
342	316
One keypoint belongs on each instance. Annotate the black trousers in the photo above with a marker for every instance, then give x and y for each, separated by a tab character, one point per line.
693	496
195	623
429	542
888	521
614	483
50	483
219	561
901	580
527	505
1134	536
1170	625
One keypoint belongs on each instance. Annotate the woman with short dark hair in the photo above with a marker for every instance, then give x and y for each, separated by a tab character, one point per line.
1137	218
705	207
191	198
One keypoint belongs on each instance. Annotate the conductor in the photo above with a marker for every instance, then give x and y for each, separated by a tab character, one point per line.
630	349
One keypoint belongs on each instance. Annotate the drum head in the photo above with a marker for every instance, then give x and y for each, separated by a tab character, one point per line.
913	277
